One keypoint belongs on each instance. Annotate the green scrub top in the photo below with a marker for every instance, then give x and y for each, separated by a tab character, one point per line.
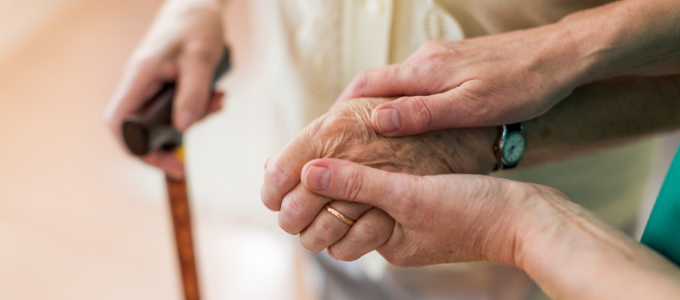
663	228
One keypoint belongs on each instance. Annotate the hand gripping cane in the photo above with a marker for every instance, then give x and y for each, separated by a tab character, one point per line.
150	129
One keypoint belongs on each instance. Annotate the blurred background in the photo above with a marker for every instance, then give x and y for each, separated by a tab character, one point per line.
79	219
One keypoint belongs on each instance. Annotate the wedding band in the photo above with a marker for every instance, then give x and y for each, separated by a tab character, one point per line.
338	215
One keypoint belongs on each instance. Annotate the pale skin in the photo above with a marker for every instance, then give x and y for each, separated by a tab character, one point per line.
186	42
519	75
564	248
346	133
595	116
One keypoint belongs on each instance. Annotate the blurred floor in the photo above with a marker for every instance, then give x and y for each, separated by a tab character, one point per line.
78	218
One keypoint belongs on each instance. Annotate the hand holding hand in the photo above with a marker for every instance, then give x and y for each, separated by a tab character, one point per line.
568	251
345	133
487	81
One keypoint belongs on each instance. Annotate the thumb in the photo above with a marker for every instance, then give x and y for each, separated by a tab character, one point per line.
197	66
388	81
419	114
456	108
345	180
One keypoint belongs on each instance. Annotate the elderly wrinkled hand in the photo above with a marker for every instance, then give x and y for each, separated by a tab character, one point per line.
346	133
184	45
567	250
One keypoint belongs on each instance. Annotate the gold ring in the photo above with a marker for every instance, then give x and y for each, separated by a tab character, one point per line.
338	215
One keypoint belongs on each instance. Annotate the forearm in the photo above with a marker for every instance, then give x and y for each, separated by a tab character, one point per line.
577	256
633	37
602	115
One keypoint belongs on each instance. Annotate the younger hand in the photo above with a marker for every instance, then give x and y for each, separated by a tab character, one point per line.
487	81
439	219
564	248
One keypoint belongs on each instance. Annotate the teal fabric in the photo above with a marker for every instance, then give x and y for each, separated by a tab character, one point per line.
663	228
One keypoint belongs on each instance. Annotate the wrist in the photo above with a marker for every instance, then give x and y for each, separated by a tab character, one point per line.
572	254
592	44
561	55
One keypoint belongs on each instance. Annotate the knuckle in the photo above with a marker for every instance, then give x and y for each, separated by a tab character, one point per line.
367	234
433	58
311	245
322	237
200	53
267	199
421	113
353	185
292	216
361	82
276	176
342	254
433	44
330	230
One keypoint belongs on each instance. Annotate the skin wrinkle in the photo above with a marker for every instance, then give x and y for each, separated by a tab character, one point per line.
507	214
348	134
584	221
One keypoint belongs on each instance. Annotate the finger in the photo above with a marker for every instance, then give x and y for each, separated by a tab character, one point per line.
371	231
392	80
140	82
197	65
415	76
344	180
419	114
326	229
282	172
216	102
299	208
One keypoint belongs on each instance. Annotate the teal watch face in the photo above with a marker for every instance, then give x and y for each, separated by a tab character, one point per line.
513	148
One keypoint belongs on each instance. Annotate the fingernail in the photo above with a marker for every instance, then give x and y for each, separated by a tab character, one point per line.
318	178
185	119
388	120
267	162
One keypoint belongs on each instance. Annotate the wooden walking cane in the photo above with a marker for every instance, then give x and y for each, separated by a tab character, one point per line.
151	129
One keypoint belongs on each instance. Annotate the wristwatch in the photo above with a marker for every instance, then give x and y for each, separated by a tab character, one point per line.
510	146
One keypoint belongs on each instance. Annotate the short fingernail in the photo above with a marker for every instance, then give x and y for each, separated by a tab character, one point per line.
318	178
186	118
388	120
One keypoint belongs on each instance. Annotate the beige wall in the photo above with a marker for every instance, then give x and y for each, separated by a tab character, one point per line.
79	219
22	20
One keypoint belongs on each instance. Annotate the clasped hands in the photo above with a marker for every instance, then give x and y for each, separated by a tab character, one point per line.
422	136
340	156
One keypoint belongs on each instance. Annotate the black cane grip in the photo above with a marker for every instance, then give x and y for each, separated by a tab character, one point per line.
150	128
